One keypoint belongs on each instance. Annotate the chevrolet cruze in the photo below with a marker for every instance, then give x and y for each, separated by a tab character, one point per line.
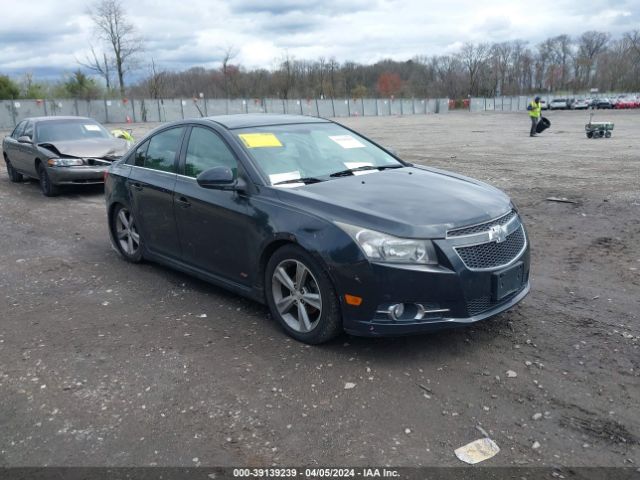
330	230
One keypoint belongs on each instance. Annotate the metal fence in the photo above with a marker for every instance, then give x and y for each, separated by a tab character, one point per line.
165	110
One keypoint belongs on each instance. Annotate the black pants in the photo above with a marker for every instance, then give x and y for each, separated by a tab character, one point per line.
534	124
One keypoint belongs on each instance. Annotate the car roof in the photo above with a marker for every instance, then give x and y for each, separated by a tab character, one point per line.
57	118
244	120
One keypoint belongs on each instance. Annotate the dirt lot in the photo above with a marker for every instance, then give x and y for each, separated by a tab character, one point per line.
107	363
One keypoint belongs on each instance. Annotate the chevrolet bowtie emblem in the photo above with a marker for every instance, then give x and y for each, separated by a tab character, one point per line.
498	234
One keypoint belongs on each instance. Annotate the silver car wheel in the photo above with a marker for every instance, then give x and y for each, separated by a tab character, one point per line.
127	233
296	295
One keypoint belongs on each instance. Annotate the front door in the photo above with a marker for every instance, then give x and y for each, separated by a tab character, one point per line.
151	185
212	224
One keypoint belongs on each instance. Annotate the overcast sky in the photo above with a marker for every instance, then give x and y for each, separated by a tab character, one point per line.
47	36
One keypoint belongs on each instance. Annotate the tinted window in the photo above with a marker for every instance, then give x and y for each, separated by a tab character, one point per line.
139	156
207	150
17	132
162	150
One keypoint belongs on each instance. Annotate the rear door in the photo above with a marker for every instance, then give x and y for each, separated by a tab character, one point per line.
212	224
151	184
21	155
11	145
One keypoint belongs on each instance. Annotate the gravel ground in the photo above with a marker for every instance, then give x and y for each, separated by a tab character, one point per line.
107	363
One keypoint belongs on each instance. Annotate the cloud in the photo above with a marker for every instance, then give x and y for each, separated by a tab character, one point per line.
52	36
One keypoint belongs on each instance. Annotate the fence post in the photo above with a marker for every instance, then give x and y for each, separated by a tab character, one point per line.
300	100
133	109
348	108
333	107
75	106
377	112
106	111
44	101
317	108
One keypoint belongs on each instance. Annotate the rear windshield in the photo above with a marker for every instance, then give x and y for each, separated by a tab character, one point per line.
560	100
59	130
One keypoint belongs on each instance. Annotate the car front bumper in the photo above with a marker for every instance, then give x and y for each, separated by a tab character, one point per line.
77	175
450	294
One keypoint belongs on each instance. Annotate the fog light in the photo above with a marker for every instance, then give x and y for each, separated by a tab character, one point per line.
397	311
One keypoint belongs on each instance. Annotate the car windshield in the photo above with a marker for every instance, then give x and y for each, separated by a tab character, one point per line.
559	100
312	152
59	130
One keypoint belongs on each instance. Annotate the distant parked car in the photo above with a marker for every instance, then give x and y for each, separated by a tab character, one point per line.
601	103
544	105
559	104
60	150
626	102
580	104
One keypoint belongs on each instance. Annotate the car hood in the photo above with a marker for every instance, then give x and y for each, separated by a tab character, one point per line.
109	148
414	202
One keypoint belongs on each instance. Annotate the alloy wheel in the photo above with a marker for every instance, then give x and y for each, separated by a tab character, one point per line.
296	295
127	232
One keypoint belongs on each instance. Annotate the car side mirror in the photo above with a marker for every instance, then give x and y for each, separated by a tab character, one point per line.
25	139
220	178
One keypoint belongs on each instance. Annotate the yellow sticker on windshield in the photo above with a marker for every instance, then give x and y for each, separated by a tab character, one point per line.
259	140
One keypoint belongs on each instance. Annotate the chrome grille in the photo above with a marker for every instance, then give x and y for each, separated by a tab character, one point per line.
483	227
493	254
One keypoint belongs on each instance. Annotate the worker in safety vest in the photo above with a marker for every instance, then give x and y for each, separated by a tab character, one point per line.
535	110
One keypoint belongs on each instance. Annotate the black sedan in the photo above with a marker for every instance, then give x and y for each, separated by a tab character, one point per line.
330	230
59	151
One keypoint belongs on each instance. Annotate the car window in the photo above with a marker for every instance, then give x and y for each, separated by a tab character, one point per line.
162	150
17	132
207	150
28	130
285	152
69	129
139	156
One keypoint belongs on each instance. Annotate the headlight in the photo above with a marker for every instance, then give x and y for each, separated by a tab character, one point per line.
381	247
65	162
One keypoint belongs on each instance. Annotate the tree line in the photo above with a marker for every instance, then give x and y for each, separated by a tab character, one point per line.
558	64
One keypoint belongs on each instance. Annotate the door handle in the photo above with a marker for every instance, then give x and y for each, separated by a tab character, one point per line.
183	202
138	187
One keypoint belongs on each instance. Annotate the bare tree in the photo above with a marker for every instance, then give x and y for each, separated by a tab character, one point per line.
102	66
229	54
473	58
590	45
116	30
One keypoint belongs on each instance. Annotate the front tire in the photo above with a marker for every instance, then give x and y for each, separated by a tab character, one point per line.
125	234
301	296
48	188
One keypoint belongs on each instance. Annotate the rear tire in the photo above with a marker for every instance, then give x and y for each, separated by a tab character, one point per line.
301	296
14	175
125	235
48	189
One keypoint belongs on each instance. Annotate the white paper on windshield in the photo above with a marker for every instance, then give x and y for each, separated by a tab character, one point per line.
360	164
92	128
283	177
347	141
